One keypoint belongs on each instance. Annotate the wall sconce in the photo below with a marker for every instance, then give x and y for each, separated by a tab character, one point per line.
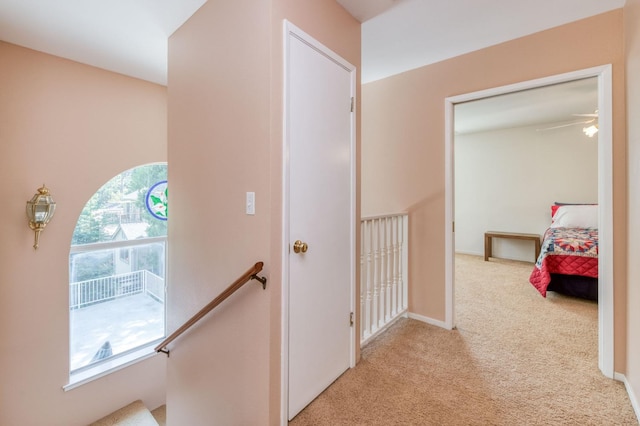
40	210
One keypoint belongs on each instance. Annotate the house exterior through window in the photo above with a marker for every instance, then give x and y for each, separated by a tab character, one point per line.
117	269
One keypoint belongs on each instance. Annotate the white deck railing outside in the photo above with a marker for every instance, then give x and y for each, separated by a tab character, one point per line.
89	292
383	276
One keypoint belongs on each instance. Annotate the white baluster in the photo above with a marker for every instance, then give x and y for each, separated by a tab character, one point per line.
381	273
392	263
401	285
387	262
369	283
395	262
381	292
376	277
363	282
381	269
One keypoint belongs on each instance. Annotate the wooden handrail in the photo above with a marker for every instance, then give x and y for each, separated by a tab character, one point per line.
251	274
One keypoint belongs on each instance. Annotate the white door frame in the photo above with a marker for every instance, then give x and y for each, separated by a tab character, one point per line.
605	199
291	30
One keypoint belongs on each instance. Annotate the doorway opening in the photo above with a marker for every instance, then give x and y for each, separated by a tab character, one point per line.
605	197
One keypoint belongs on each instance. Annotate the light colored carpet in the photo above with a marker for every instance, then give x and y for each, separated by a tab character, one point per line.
160	414
515	359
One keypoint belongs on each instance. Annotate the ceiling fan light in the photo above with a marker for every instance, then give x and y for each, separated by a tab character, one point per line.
591	130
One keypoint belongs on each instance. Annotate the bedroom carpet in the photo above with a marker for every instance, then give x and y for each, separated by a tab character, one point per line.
514	359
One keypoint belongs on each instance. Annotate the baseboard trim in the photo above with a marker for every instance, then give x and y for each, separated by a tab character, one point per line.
428	320
635	403
470	253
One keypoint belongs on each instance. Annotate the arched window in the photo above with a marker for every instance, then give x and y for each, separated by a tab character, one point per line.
117	271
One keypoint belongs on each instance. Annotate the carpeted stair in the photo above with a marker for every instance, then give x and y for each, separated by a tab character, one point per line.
134	414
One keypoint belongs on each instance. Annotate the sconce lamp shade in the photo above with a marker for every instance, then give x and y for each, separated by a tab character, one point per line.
40	210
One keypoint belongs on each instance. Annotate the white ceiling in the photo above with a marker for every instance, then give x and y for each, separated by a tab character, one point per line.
414	33
400	35
130	36
543	107
124	36
363	10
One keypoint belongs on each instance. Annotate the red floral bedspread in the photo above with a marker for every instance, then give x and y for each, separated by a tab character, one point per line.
569	251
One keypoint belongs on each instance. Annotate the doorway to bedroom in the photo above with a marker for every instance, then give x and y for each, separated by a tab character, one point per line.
513	152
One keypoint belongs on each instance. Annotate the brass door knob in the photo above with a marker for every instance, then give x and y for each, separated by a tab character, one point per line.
299	246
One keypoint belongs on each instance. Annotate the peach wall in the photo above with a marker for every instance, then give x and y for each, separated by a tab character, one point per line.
72	127
218	373
225	138
403	142
632	43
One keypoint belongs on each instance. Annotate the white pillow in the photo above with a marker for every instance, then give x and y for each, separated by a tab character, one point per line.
582	216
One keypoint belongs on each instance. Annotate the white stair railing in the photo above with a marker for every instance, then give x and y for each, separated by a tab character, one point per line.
383	276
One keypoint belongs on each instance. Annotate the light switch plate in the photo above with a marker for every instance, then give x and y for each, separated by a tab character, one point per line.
251	203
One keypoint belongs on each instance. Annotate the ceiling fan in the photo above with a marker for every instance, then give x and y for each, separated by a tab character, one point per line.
591	119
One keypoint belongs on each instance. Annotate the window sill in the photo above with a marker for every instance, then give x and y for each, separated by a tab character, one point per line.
85	376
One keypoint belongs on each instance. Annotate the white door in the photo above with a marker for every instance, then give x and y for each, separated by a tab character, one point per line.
320	139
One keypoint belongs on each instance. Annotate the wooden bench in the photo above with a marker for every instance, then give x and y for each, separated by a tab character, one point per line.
488	236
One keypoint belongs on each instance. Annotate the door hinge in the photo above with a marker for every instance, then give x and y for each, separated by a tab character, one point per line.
352	104
351	319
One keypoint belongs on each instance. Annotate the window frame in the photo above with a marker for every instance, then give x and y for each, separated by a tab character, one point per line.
94	370
102	368
110	245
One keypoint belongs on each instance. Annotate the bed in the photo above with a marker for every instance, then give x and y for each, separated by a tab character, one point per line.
568	261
